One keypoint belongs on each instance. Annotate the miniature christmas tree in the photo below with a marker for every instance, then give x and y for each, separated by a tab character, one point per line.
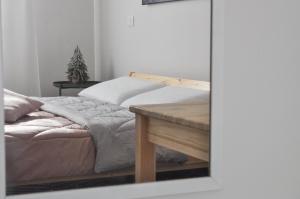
77	69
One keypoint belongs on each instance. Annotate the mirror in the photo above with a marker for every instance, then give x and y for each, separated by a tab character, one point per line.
105	94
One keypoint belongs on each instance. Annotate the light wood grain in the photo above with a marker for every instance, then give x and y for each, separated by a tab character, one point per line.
172	81
196	115
191	141
181	127
145	156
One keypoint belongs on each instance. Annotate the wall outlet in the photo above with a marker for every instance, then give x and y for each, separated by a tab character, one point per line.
130	21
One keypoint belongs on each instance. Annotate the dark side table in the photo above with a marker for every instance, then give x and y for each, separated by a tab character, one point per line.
67	84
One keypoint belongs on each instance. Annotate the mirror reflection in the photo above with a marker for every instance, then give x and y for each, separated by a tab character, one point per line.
101	94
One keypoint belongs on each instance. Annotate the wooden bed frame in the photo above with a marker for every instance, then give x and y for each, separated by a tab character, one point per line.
192	163
172	81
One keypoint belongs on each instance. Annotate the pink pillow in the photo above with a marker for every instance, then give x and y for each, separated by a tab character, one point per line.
17	105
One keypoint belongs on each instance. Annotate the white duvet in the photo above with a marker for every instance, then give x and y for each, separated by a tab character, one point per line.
112	128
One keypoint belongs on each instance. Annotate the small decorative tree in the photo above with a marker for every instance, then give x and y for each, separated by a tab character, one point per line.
77	69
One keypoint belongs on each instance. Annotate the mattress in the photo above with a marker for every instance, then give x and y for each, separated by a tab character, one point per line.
43	146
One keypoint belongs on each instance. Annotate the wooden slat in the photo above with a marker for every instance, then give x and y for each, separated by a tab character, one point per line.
195	115
190	141
172	81
145	158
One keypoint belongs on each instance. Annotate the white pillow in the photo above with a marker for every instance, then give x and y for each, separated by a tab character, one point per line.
168	94
118	90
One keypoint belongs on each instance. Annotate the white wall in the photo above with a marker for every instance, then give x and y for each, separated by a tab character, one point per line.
169	39
60	26
261	101
166	40
19	57
98	39
39	39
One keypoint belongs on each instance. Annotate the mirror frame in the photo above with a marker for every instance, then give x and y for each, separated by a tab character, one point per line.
154	189
149	2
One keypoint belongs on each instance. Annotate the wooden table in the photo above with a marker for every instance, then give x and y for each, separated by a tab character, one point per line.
67	84
181	127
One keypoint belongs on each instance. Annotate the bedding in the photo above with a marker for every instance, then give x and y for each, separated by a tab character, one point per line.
17	105
42	145
118	90
78	136
112	128
168	94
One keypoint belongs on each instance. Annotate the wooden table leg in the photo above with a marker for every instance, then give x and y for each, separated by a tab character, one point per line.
145	159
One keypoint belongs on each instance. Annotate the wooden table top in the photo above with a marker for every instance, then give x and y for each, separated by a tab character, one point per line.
195	115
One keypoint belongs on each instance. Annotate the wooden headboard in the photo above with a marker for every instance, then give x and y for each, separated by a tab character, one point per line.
172	81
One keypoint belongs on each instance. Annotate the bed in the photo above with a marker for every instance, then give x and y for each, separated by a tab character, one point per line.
52	146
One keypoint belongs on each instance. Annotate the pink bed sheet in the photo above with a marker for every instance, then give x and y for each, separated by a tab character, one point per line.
44	146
